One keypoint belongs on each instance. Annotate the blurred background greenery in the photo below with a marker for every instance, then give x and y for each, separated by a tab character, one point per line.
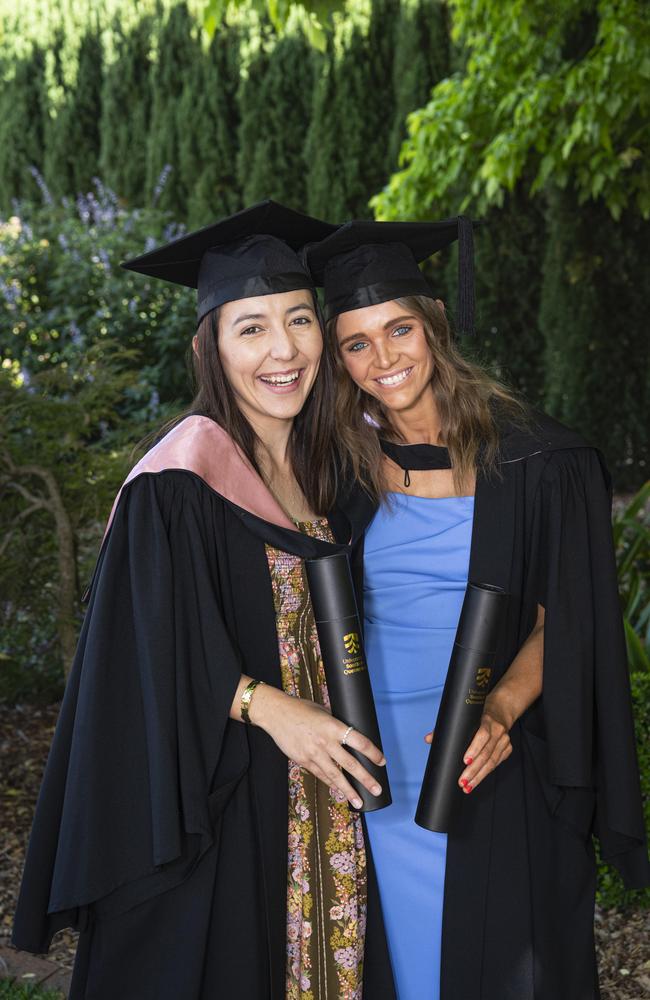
124	123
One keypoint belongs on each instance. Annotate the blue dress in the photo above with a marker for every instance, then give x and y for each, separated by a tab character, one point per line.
416	560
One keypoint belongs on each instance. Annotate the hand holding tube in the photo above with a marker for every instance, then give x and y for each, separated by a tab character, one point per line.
348	683
309	735
464	694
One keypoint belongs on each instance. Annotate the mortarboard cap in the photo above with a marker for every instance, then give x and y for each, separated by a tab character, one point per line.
252	252
364	263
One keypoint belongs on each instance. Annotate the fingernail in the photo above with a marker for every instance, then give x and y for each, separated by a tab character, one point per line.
469	760
463	781
468	788
357	803
376	789
382	761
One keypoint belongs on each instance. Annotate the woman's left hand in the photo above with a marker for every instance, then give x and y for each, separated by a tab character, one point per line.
490	747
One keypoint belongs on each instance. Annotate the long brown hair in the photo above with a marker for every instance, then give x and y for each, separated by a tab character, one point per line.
470	403
311	444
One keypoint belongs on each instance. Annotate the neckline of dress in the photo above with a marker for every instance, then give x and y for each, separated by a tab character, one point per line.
417	496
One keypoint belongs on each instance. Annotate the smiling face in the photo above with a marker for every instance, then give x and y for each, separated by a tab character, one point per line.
385	351
270	348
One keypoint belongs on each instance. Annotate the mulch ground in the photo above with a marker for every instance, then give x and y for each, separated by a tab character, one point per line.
623	937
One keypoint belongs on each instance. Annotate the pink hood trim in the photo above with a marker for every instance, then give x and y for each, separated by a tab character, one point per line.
199	445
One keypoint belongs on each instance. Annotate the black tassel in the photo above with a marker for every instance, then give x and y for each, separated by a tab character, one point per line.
465	276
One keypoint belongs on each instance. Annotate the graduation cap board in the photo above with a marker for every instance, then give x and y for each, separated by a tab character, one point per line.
365	263
253	252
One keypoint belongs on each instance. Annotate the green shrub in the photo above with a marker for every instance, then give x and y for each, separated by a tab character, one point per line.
62	290
93	358
10	989
611	891
632	539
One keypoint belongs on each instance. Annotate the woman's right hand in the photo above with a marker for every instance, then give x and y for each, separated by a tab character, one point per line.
310	735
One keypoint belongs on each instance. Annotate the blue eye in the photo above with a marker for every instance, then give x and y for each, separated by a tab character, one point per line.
399	331
355	348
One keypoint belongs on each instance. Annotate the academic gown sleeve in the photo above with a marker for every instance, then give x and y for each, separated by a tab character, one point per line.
591	763
144	756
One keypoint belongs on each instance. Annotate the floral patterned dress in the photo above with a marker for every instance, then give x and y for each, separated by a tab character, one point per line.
326	883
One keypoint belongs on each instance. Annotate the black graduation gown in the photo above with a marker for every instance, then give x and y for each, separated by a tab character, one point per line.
161	827
520	874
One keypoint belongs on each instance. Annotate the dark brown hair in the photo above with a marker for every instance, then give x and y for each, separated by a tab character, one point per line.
312	436
467	397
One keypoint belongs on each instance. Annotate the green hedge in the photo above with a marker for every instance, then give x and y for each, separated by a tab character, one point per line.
10	989
140	92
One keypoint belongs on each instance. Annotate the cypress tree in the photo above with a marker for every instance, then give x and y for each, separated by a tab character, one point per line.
380	97
177	52
323	153
72	133
421	60
509	250
594	319
277	168
22	120
126	112
252	113
83	113
56	160
353	116
208	152
354	108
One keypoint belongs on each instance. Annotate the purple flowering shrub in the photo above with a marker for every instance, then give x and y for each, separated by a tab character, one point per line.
62	290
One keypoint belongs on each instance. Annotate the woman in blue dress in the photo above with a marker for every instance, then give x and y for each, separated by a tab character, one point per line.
456	479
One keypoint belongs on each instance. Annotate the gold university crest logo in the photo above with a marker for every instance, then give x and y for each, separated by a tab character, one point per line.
483	676
351	642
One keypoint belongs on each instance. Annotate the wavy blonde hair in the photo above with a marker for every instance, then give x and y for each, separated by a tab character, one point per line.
471	404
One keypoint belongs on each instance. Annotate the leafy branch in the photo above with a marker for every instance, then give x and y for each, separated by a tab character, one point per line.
560	95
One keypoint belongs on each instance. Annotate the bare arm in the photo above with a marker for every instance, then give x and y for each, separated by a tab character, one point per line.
308	734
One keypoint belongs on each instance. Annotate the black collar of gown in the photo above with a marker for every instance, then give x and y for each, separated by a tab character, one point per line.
416	457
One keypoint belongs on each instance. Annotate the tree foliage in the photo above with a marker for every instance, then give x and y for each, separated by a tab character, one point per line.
126	111
272	159
208	151
177	52
509	249
251	111
313	17
421	59
556	93
22	125
593	319
350	128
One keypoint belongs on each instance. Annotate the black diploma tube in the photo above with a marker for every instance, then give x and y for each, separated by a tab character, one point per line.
344	660
466	687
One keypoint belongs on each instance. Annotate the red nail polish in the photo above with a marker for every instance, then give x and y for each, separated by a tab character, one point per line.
469	760
468	788
463	781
